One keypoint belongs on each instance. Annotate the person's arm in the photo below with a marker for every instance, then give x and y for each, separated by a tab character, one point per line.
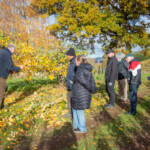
80	77
9	64
72	70
126	64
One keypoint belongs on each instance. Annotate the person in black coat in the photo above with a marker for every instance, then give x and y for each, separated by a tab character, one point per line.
111	74
83	87
122	79
134	81
6	66
69	79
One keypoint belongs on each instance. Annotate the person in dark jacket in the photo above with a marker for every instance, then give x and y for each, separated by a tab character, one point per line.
6	66
70	76
122	79
83	87
134	81
111	74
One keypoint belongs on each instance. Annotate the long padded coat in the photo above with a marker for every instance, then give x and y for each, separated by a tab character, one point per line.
83	86
111	73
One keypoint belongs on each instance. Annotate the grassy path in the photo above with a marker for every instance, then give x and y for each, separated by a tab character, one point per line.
116	131
110	129
33	119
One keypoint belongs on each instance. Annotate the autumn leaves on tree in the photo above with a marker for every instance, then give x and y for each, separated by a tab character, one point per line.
37	49
114	23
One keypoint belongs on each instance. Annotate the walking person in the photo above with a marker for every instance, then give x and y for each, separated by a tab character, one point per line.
83	87
134	81
122	79
70	76
111	74
6	66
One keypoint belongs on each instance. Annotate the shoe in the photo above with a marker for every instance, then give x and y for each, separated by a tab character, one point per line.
129	113
67	115
109	106
124	101
78	131
118	99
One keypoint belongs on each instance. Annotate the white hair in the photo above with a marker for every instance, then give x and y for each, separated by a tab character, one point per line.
11	46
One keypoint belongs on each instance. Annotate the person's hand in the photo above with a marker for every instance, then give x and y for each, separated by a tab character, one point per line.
21	67
110	84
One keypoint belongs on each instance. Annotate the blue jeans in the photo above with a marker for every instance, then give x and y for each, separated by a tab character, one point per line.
133	88
79	120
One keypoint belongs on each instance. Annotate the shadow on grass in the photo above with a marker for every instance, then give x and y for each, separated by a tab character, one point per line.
102	89
23	85
122	105
147	84
28	88
123	132
61	138
144	103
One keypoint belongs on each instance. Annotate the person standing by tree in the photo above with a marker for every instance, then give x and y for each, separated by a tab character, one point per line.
70	76
6	66
122	78
134	81
83	87
111	74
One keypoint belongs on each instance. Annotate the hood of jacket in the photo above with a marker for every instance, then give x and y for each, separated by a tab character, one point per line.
86	66
134	59
6	49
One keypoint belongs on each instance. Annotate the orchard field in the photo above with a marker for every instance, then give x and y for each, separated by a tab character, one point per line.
36	102
35	112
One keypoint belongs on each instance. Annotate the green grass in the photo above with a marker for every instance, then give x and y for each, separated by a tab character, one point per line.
121	132
25	94
23	85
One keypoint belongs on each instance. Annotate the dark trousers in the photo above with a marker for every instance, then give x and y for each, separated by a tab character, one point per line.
3	89
69	97
111	92
133	88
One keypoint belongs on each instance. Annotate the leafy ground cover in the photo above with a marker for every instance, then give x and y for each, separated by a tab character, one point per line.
120	131
34	118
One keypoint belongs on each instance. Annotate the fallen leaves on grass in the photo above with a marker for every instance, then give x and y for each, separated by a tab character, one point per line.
25	114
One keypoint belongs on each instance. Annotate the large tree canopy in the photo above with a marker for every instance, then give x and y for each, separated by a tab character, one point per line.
115	23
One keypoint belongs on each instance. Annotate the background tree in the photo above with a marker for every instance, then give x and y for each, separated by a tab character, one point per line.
37	50
140	56
115	23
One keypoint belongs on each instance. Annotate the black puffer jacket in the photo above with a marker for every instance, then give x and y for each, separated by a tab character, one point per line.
84	85
123	69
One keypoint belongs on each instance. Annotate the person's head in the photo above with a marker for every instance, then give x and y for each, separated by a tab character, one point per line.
110	53
12	48
81	59
120	56
70	53
129	57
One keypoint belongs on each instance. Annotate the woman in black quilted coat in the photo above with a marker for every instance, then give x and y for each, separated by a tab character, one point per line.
83	87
